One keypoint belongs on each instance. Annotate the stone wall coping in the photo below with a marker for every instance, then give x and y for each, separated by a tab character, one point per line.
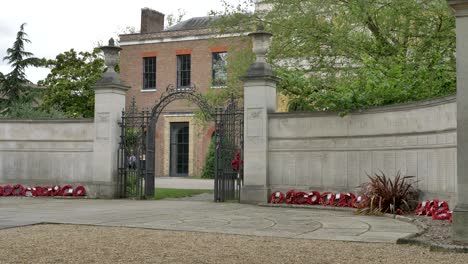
164	34
173	34
40	121
378	109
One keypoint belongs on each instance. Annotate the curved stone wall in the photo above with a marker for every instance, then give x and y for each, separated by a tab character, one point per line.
324	151
49	152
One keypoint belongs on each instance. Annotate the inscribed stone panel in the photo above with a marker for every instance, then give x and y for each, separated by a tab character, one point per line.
276	166
334	169
433	172
377	162
422	170
353	169
400	162
315	175
302	168
389	163
365	165
102	125
254	122
412	163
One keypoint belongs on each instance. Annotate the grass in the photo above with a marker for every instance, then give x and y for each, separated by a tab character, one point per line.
198	178
163	193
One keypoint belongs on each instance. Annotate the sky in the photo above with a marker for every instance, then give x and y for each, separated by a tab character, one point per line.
55	26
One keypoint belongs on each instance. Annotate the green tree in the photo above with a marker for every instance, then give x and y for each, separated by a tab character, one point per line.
20	110
14	86
69	82
343	55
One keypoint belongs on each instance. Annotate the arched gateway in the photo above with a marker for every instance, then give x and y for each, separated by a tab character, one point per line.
136	154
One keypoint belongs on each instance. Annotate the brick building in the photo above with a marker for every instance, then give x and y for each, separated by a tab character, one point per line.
185	54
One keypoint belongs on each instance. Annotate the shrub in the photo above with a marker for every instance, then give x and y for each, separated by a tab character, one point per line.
389	196
208	168
26	110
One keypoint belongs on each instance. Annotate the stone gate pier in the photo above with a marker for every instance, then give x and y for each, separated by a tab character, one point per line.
460	213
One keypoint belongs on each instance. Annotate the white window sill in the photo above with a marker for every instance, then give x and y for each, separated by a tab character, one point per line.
218	87
147	90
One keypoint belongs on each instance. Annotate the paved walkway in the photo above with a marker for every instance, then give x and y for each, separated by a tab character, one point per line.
184	183
229	218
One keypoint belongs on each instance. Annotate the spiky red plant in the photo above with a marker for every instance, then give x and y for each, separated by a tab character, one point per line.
389	196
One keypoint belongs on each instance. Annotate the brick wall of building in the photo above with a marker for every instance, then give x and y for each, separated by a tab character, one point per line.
131	68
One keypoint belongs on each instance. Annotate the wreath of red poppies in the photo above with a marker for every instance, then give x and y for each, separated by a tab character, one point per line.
55	190
276	197
7	190
438	210
79	191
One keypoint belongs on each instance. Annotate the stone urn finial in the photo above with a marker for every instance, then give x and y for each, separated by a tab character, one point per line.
111	59
261	41
111	55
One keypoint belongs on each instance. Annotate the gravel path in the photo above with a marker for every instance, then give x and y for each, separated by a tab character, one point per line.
438	232
90	244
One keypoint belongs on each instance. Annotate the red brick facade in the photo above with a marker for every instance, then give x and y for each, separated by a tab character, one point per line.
165	46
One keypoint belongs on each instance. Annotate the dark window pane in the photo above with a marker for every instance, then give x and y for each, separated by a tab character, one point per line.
149	73
183	70
179	148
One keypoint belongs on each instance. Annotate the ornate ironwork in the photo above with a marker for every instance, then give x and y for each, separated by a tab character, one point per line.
171	94
136	156
132	152
229	154
188	93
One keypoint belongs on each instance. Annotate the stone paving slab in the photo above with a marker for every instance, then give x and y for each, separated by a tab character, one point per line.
229	218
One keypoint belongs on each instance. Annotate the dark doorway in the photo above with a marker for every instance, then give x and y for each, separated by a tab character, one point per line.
179	151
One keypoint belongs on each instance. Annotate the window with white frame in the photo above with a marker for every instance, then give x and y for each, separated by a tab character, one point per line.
183	70
149	73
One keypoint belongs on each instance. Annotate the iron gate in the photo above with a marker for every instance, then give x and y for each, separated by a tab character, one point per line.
229	172
133	175
136	154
